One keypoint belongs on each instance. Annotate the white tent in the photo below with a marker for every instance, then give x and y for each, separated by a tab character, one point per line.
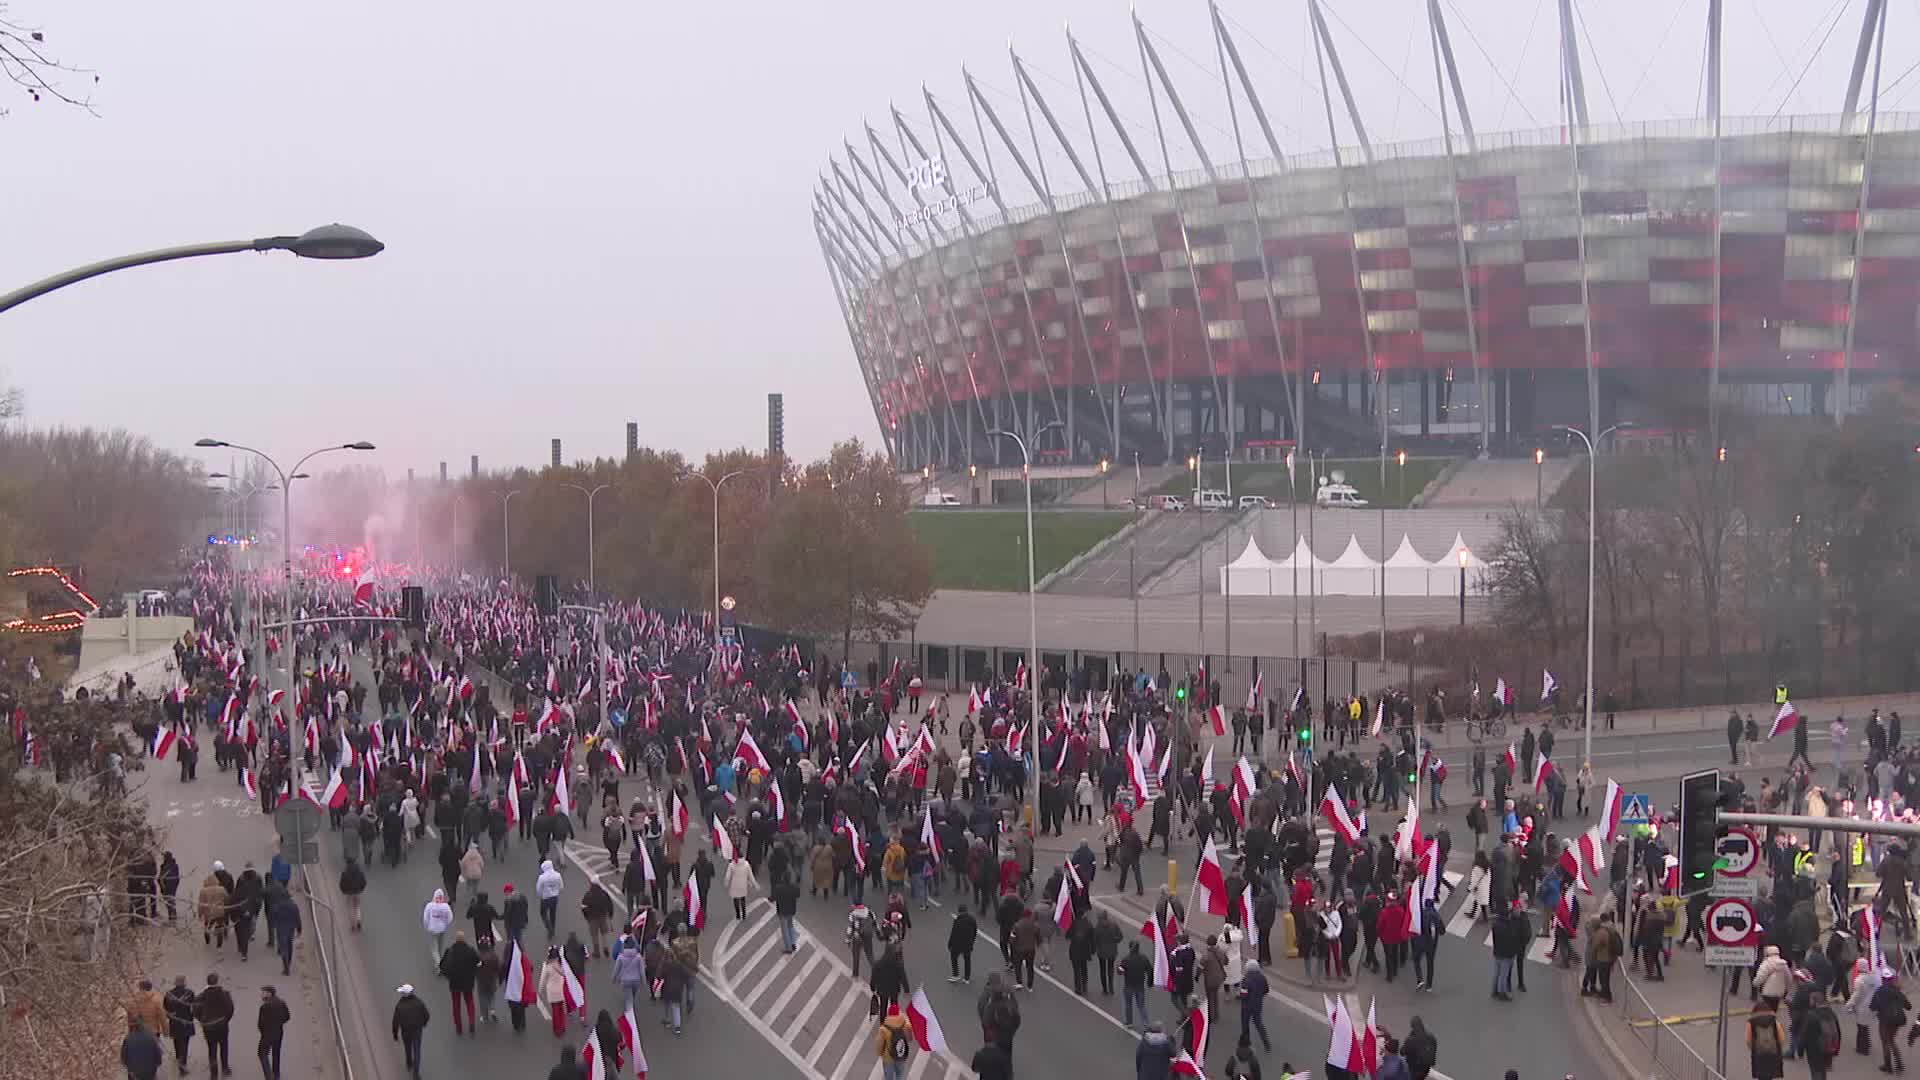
1352	574
1249	575
1407	572
1444	578
1309	564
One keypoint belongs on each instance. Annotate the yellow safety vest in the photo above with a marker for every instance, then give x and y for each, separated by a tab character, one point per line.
1780	695
1859	850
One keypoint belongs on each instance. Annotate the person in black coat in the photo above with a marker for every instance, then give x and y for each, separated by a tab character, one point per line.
483	915
179	1004
273	1020
353	882
569	1067
459	964
140	1052
889	977
513	913
960	942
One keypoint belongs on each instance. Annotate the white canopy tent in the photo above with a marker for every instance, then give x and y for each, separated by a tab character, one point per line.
1352	574
1444	578
1285	574
1249	575
1407	573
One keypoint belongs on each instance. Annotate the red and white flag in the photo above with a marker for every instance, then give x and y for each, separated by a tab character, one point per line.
1209	882
1501	691
1218	716
779	806
521	986
695	904
722	840
929	838
1255	692
593	1063
1785	720
1511	758
1337	817
1610	813
334	795
677	818
1541	770
1548	684
512	808
749	752
562	799
363	589
1184	1065
275	697
572	989
248	783
1200	1022
616	758
629	1029
1370	1041
1379	718
926	1027
163	741
1344	1049
1162	963
973	700
1063	900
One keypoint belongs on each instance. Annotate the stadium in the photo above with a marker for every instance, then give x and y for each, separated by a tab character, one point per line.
1463	294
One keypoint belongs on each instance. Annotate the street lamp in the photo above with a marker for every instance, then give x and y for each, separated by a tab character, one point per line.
1463	586
286	554
1104	466
506	537
715	486
1402	456
326	242
590	497
1539	475
1593	478
1033	617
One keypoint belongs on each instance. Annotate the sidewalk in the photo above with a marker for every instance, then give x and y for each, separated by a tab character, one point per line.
1688	1000
209	819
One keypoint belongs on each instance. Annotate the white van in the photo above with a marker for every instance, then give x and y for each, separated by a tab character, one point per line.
1255	502
1211	499
936	498
1337	495
1169	503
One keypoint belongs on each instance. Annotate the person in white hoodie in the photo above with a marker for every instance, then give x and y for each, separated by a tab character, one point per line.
547	888
740	884
437	917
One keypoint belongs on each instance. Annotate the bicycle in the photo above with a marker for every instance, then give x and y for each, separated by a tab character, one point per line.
1480	730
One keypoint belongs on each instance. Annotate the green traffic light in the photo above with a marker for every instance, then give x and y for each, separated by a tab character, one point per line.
1306	733
1180	693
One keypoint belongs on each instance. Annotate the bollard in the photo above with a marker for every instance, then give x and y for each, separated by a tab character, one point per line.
1173	877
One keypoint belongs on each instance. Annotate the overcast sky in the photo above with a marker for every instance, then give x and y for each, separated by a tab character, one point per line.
598	212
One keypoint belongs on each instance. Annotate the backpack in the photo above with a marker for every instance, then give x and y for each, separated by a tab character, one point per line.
899	1046
1829	1032
1766	1040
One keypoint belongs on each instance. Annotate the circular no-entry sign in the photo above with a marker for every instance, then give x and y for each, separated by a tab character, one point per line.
1731	922
1739	849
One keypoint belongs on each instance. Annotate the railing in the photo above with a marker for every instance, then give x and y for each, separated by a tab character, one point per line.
1670	1053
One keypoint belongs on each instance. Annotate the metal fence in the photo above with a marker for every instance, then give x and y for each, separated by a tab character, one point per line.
956	666
1670	1053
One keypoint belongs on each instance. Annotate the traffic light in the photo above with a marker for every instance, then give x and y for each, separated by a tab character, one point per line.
1699	829
1180	692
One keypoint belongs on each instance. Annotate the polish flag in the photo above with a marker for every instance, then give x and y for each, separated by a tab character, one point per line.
574	993
465	688
163	741
749	752
1610	813
562	800
1209	883
1344	1050
723	840
629	1029
553	681
1501	691
1337	817
928	837
1162	965
1246	919
677	816
1563	913
1218	716
1541	770
1200	1022
1166	762
593	1064
1206	772
973	700
335	794
363	589
275	697
859	846
1370	1041
1785	720
1184	1065
1379	718
695	905
1016	739
779	806
1254	694
926	1027
348	759
521	986
646	859
473	774
1063	900
1548	684
247	782
618	759
1512	760
513	795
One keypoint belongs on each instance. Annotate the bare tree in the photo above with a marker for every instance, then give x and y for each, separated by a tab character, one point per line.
28	63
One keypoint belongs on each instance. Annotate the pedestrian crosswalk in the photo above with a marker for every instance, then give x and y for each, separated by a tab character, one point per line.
807	1000
1456	907
810	1000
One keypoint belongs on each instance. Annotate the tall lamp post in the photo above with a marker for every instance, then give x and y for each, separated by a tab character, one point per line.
1463	587
590	494
715	486
1593	528
286	555
1033	618
506	537
326	242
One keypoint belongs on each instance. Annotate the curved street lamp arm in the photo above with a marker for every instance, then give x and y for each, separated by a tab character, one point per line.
143	258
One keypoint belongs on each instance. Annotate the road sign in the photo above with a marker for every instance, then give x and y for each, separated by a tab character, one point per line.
1744	888
1730	955
1731	923
1736	853
1636	809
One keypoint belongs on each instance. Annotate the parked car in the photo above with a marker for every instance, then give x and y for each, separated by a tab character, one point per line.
1255	502
1172	503
1211	499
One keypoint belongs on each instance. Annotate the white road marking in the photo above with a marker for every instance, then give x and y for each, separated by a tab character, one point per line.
794	984
840	1012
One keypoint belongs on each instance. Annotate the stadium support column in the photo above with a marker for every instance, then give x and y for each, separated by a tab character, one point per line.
867	374
1226	51
1575	98
1084	77
1713	105
1877	26
1323	51
1149	66
1443	57
1029	91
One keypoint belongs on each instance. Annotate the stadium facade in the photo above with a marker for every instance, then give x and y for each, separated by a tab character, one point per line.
1474	289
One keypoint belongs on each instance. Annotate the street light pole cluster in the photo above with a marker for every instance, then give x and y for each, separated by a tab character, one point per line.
1033	619
715	486
1593	479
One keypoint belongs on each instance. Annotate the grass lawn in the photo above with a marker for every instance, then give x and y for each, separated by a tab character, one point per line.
1363	474
986	549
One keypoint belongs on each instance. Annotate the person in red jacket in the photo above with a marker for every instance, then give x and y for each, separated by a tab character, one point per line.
1396	928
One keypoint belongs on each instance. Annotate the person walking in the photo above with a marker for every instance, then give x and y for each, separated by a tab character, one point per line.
273	1020
353	882
547	887
1766	1043
214	1010
179	1004
893	1044
1135	970
410	1019
740	884
553	990
140	1051
486	979
1889	1006
1253	997
961	939
437	918
460	966
283	923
